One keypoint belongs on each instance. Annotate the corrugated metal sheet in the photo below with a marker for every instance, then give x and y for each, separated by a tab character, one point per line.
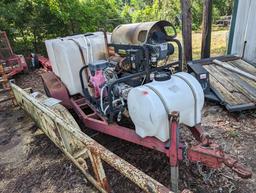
245	30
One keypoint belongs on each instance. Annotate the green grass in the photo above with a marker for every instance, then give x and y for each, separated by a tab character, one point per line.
218	43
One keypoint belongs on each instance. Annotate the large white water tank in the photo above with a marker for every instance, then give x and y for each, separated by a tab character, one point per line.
67	60
148	104
51	56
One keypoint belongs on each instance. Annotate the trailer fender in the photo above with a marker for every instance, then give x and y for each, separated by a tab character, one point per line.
55	88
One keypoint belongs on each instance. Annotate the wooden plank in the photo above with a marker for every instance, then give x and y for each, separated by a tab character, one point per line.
248	68
224	91
243	81
251	83
220	77
236	70
239	84
223	85
244	92
243	65
225	94
233	89
249	86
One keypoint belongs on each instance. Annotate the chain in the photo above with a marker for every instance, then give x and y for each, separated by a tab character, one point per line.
206	176
185	154
232	187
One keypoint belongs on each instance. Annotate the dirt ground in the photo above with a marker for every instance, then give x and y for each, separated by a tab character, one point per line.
30	162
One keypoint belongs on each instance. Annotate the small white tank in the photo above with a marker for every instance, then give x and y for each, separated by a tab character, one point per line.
66	58
146	104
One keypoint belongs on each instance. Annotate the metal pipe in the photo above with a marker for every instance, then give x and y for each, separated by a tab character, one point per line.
179	53
106	43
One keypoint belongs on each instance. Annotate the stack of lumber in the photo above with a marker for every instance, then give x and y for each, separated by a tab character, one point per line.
234	80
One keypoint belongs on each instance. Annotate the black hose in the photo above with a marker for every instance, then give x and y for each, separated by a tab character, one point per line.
179	53
85	90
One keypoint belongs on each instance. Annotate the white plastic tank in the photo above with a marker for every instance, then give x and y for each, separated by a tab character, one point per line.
51	56
66	58
50	50
148	104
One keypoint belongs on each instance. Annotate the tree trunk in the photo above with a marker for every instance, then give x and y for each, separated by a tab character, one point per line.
186	29
207	28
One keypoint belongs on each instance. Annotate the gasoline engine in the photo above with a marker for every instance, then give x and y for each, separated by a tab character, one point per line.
129	74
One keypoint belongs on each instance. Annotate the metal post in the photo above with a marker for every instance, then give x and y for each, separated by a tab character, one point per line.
174	147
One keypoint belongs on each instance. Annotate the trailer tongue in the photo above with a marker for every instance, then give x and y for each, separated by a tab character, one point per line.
132	79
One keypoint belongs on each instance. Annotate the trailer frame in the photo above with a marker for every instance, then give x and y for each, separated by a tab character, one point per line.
206	151
58	124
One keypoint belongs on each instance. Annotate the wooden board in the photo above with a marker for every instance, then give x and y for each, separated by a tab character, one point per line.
232	88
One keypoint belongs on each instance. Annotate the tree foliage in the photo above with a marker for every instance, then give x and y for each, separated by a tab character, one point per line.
170	10
29	22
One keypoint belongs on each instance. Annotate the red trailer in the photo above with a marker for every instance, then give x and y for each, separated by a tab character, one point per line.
44	62
88	107
12	63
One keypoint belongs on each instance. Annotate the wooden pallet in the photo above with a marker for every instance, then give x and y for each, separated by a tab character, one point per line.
235	91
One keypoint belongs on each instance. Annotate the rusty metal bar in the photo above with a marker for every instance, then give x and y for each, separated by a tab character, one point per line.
99	171
4	81
80	146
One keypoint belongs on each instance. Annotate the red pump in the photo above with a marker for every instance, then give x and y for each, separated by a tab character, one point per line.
97	81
